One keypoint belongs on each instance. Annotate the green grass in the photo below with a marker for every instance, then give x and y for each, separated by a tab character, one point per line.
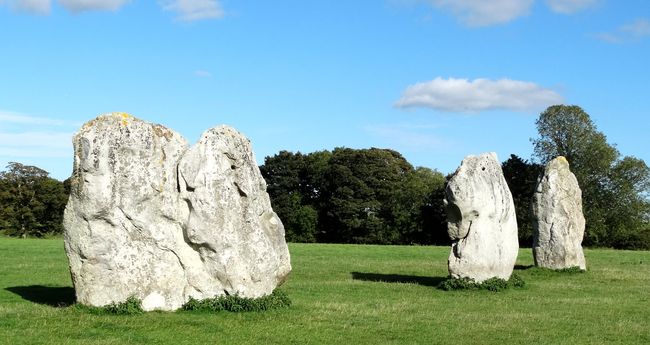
344	294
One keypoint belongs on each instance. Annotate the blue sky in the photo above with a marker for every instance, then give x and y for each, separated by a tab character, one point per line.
434	79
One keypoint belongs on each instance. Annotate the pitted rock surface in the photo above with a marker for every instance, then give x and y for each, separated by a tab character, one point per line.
558	221
481	220
153	218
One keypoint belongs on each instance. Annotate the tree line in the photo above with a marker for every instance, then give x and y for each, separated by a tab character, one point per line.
376	196
31	202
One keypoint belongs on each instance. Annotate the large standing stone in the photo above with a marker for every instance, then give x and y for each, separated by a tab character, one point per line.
151	218
481	221
558	222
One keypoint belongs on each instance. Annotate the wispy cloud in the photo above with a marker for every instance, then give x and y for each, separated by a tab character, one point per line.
32	136
570	6
630	32
408	137
52	140
29	6
638	28
202	73
186	10
193	10
484	13
18	118
463	95
92	5
481	13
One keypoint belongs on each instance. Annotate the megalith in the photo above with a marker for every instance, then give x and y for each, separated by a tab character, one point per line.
558	221
152	218
481	220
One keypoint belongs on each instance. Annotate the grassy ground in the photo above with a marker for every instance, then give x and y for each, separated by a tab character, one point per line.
344	294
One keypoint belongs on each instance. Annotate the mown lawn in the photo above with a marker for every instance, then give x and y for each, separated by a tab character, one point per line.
348	294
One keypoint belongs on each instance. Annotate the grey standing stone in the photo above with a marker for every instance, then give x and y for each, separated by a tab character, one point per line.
150	217
558	222
481	220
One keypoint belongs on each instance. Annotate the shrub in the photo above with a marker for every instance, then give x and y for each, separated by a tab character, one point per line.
493	284
233	303
132	306
542	271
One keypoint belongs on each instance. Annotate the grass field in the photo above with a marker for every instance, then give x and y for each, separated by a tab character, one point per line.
347	294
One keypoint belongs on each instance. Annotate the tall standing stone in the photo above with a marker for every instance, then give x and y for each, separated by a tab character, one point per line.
150	217
558	222
481	220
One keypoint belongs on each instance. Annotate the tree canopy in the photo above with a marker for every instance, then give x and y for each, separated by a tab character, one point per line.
521	176
31	203
355	196
614	189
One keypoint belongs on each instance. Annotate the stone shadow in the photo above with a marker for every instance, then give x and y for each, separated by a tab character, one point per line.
398	278
53	296
523	267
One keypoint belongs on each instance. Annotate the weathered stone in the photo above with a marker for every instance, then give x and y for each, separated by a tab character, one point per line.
558	222
151	218
481	221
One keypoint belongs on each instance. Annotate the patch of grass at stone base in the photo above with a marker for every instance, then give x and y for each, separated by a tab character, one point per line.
493	284
232	303
276	300
549	272
132	306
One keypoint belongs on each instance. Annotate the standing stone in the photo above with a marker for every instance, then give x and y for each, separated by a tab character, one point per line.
481	220
151	218
558	222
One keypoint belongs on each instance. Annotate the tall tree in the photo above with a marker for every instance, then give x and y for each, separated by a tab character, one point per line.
31	203
295	183
359	186
569	131
355	196
522	177
418	208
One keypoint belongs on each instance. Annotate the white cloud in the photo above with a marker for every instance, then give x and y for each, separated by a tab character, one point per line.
35	152
462	95
202	73
36	144
484	13
92	5
17	118
37	139
31	136
30	6
191	10
633	31
638	28
570	6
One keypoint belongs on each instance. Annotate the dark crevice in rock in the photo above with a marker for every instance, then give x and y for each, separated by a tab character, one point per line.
178	178
241	192
188	188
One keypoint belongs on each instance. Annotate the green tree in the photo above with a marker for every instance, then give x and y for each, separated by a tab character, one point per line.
522	177
294	183
614	190
358	190
355	196
418	209
628	219
31	203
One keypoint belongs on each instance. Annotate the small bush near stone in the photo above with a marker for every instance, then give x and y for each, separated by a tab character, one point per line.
492	284
277	299
132	306
542	271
